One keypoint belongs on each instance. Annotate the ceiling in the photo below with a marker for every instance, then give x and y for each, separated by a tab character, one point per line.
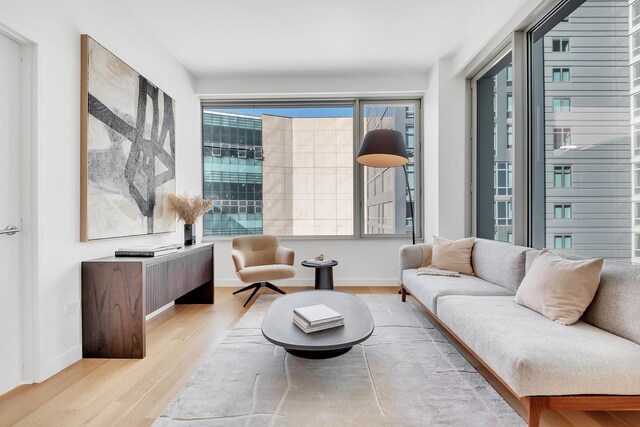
315	37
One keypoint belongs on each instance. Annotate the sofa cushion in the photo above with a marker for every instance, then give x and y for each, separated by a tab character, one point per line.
558	288
427	289
499	263
536	356
615	306
453	255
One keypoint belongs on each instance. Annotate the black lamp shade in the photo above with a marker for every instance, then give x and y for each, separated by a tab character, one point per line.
383	148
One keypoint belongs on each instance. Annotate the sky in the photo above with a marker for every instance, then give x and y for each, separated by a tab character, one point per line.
290	112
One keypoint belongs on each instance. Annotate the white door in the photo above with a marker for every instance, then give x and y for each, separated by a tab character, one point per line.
11	351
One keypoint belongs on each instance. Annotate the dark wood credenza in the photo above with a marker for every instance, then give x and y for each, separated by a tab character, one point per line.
118	293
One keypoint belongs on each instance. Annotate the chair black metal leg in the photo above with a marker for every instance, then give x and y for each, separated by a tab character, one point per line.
252	294
274	288
246	288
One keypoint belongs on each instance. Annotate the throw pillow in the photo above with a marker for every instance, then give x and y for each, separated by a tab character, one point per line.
453	255
558	288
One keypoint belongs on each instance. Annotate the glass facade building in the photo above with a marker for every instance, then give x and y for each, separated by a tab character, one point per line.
232	156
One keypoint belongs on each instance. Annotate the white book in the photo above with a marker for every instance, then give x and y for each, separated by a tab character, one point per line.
308	329
315	314
316	262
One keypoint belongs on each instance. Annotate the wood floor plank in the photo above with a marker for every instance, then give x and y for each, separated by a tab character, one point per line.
107	392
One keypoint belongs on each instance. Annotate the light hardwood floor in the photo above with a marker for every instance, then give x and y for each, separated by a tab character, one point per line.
102	392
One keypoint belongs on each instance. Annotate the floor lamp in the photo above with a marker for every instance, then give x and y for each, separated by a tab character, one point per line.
384	148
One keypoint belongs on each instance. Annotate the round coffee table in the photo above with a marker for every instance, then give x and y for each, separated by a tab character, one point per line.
279	329
324	274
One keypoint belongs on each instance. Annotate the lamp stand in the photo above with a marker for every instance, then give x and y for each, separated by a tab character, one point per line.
413	222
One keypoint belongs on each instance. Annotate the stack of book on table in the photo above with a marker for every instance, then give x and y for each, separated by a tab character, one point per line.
146	251
317	318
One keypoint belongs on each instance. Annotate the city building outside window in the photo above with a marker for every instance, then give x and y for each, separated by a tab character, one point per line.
562	176
560	45
409	113
636	105
393	201
560	75
584	158
636	214
561	104
636	178
562	211
562	242
561	137
635	43
503	178
636	74
495	147
503	213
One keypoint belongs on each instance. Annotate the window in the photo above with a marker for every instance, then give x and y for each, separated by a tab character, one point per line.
636	105
561	138
267	176
562	242
390	195
560	45
409	113
409	129
503	213
636	140
636	214
494	164
560	75
562	176
583	132
635	13
561	104
636	74
636	245
562	211
635	43
636	178
503	178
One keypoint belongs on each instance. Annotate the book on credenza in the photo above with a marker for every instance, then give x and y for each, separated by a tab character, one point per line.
316	314
306	328
146	251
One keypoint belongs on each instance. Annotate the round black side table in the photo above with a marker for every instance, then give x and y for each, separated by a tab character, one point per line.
324	273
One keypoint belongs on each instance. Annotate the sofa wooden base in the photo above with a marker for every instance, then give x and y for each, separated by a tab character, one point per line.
534	405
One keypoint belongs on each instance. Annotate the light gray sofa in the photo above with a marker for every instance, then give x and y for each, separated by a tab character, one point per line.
591	365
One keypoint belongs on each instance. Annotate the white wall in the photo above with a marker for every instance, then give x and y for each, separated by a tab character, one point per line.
55	27
447	154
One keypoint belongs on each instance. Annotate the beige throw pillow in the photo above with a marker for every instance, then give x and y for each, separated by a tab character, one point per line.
453	255
558	288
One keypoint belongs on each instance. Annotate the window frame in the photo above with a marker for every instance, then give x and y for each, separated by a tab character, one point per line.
358	172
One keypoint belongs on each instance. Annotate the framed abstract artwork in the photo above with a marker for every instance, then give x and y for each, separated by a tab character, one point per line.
127	149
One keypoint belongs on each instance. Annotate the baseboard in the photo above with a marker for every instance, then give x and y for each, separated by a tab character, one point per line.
59	362
235	283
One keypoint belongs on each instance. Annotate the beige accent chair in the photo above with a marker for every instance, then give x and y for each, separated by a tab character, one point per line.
259	259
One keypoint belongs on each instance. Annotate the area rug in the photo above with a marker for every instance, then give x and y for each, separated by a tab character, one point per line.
405	374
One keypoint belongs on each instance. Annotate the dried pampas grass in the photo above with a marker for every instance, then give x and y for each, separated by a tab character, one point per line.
189	209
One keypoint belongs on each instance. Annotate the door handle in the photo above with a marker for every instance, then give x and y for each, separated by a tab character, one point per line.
10	230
